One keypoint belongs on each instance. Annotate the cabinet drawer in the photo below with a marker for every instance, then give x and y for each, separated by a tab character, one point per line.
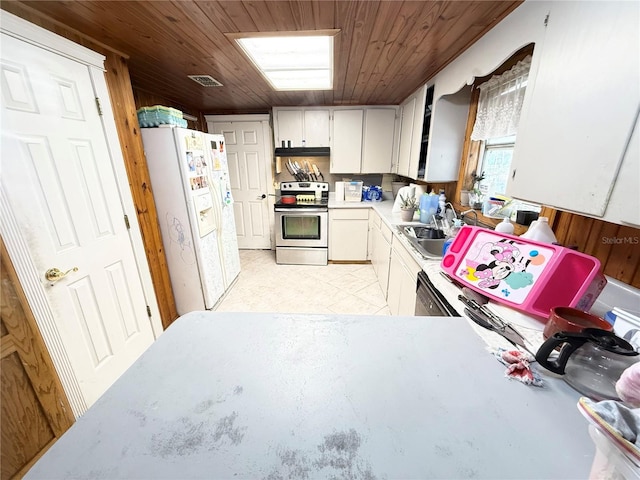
349	213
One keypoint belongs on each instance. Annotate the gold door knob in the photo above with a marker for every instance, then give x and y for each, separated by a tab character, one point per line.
55	274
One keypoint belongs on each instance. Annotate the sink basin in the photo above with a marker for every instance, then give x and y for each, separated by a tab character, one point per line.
429	247
418	235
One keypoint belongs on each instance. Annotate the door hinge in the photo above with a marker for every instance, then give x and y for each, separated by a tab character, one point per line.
148	311
126	222
546	20
99	106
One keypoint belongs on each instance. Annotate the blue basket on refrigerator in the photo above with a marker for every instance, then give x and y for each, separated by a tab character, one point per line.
160	115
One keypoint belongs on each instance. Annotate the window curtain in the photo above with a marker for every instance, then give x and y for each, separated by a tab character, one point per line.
500	103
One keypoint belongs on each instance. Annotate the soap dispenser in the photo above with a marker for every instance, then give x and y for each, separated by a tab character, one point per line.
505	226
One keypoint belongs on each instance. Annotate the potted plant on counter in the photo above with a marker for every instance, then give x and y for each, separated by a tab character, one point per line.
467	188
408	207
476	196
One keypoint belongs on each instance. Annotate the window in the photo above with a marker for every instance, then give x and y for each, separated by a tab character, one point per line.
496	124
496	164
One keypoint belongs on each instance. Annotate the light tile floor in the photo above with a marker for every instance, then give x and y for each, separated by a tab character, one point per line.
264	286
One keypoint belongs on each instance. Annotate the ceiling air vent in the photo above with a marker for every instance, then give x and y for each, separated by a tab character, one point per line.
205	80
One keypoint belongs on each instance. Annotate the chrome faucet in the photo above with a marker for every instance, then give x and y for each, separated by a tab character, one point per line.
447	206
475	214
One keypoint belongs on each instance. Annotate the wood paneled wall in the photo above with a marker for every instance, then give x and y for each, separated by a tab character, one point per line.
124	108
616	246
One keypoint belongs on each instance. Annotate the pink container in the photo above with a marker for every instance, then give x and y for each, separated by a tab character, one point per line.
524	274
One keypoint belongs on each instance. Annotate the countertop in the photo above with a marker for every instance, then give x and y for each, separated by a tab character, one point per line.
530	327
249	396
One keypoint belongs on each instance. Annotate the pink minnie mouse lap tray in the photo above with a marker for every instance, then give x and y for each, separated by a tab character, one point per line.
524	274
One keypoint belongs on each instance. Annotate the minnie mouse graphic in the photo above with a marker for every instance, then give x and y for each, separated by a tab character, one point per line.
496	261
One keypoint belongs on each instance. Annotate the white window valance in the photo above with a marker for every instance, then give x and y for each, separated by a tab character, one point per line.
500	102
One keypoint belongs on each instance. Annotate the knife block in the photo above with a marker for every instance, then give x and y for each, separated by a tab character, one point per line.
524	274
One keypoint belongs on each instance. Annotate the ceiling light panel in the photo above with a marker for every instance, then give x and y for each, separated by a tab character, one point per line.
292	62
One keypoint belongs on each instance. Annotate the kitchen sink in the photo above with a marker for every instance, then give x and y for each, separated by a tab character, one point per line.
419	237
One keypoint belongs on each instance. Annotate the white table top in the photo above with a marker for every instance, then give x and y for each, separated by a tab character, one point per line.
272	396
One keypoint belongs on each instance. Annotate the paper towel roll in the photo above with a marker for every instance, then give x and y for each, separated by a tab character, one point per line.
339	191
409	191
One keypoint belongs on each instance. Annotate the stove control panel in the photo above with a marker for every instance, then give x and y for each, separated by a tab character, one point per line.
317	189
305	186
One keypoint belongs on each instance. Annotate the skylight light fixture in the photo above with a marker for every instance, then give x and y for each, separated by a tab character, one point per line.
292	61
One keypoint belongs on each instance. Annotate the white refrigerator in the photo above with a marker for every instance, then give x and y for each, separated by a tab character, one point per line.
191	188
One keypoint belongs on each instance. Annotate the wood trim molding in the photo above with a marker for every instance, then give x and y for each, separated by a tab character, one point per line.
126	122
29	279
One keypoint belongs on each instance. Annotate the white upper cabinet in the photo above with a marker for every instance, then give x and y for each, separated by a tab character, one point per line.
298	124
363	139
578	115
446	138
288	127
408	109
378	140
316	128
346	148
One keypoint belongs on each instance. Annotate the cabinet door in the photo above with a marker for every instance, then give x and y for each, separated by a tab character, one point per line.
346	151
394	291
316	128
381	255
416	137
449	121
407	304
348	234
406	136
377	142
579	112
290	127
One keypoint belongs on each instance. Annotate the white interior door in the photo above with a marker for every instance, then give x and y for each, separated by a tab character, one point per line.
60	184
246	149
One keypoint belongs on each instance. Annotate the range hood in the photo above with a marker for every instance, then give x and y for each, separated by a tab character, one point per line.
303	152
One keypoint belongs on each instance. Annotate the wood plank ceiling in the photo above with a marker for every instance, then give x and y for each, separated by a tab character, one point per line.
384	51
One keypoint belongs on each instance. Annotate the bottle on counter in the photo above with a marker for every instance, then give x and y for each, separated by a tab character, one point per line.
442	201
424	208
505	226
540	231
428	206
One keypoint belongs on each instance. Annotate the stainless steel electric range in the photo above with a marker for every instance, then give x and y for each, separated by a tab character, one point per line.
302	223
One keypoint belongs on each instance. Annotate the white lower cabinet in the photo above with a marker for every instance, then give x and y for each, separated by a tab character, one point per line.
380	255
403	275
348	234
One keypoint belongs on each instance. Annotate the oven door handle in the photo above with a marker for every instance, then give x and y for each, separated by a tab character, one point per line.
301	211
